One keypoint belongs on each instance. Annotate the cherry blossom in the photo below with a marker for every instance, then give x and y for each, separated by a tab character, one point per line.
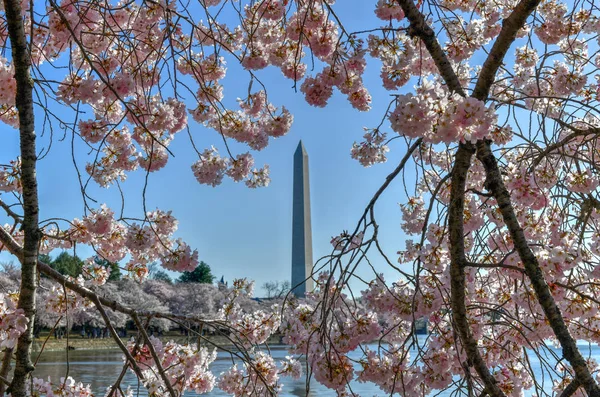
12	320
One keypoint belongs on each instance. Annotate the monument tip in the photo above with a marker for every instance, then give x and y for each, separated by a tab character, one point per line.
301	147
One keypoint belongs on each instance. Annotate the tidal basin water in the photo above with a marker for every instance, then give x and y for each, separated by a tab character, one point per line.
101	367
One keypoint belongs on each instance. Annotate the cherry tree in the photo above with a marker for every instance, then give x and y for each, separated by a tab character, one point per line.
494	102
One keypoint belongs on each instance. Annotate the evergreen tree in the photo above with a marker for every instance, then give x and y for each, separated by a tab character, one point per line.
201	274
67	264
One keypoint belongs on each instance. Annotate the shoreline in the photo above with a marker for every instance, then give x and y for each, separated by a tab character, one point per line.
78	343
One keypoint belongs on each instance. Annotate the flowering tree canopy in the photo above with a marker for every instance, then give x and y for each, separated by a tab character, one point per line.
495	100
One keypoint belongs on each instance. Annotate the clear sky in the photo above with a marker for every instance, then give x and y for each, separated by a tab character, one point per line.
242	232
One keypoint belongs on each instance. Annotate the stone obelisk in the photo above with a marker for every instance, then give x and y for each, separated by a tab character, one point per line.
302	258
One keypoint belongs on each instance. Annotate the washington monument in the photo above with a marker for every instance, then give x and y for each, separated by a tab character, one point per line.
302	258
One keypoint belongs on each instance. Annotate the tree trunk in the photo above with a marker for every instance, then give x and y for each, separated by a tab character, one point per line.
24	103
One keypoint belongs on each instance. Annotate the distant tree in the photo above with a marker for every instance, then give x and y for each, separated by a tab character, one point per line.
195	299
162	290
67	264
201	274
45	258
132	294
9	277
276	289
159	275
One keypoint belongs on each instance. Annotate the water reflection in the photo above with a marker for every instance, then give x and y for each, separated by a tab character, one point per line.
300	390
100	368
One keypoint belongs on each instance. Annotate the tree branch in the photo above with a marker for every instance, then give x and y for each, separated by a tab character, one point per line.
577	132
495	185
116	385
148	343
510	27
18	218
421	29
115	336
4	381
570	389
462	163
494	266
11	244
5	368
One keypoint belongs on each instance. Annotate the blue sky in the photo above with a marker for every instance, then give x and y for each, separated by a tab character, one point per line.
243	232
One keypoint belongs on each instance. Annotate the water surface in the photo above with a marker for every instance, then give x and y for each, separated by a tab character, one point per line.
100	368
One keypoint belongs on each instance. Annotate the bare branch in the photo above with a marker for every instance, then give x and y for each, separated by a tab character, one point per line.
494	266
18	218
510	27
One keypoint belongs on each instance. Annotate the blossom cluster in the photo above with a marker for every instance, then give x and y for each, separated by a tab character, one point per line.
345	242
185	366
326	349
66	387
133	126
372	150
10	178
147	242
254	328
12	320
114	240
211	168
436	116
97	273
134	120
495	279
259	377
63	301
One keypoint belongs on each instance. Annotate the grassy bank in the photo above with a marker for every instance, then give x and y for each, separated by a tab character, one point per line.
76	342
